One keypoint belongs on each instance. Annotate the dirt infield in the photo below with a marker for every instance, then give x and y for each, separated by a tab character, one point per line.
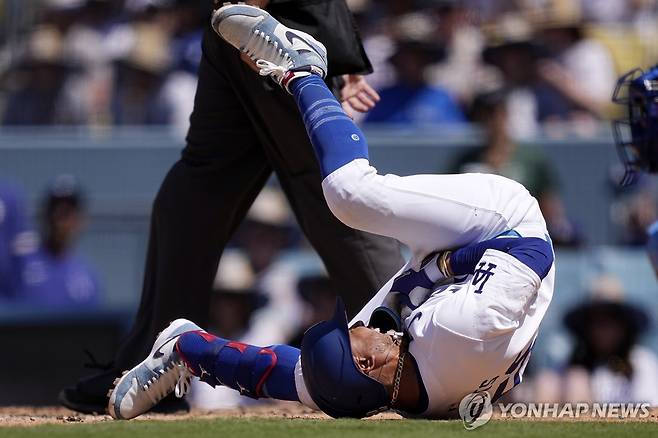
27	415
30	416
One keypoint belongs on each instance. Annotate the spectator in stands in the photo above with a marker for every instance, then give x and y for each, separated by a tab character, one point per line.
554	73
501	155
37	82
379	22
579	68
512	50
180	85
607	364
267	230
411	99
462	72
235	295
55	276
87	45
139	75
16	239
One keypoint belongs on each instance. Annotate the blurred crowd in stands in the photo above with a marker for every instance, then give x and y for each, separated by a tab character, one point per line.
95	62
518	69
117	62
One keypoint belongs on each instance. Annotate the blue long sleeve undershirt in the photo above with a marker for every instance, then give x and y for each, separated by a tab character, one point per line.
535	253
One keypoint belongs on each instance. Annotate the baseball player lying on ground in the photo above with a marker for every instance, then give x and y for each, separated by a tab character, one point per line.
460	318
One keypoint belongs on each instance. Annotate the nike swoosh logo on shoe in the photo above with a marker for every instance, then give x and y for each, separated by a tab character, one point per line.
293	38
158	353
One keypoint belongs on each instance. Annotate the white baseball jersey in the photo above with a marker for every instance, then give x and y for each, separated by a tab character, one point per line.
476	333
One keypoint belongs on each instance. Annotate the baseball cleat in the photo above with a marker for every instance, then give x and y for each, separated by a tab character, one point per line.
163	371
279	52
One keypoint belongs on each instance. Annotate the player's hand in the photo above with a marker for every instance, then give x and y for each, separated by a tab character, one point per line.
435	267
357	95
408	291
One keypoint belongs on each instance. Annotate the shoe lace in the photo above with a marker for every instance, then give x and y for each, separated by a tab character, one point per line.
184	382
260	46
268	68
176	374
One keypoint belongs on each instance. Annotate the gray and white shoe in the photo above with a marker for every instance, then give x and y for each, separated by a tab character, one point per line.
279	52
157	376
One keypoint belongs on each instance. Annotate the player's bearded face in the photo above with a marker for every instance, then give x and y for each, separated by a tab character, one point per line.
375	353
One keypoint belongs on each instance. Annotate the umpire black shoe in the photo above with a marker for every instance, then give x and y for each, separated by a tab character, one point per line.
89	394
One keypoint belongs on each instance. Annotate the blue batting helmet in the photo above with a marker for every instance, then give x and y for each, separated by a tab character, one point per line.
637	135
332	378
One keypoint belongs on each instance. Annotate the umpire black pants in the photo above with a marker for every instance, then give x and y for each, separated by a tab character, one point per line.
242	129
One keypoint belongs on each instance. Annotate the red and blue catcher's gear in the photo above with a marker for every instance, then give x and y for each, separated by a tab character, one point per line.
254	371
637	134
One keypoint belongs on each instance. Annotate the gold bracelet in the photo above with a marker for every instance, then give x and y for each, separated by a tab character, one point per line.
444	267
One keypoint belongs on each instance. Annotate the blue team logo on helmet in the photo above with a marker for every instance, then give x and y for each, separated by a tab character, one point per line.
637	135
332	378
